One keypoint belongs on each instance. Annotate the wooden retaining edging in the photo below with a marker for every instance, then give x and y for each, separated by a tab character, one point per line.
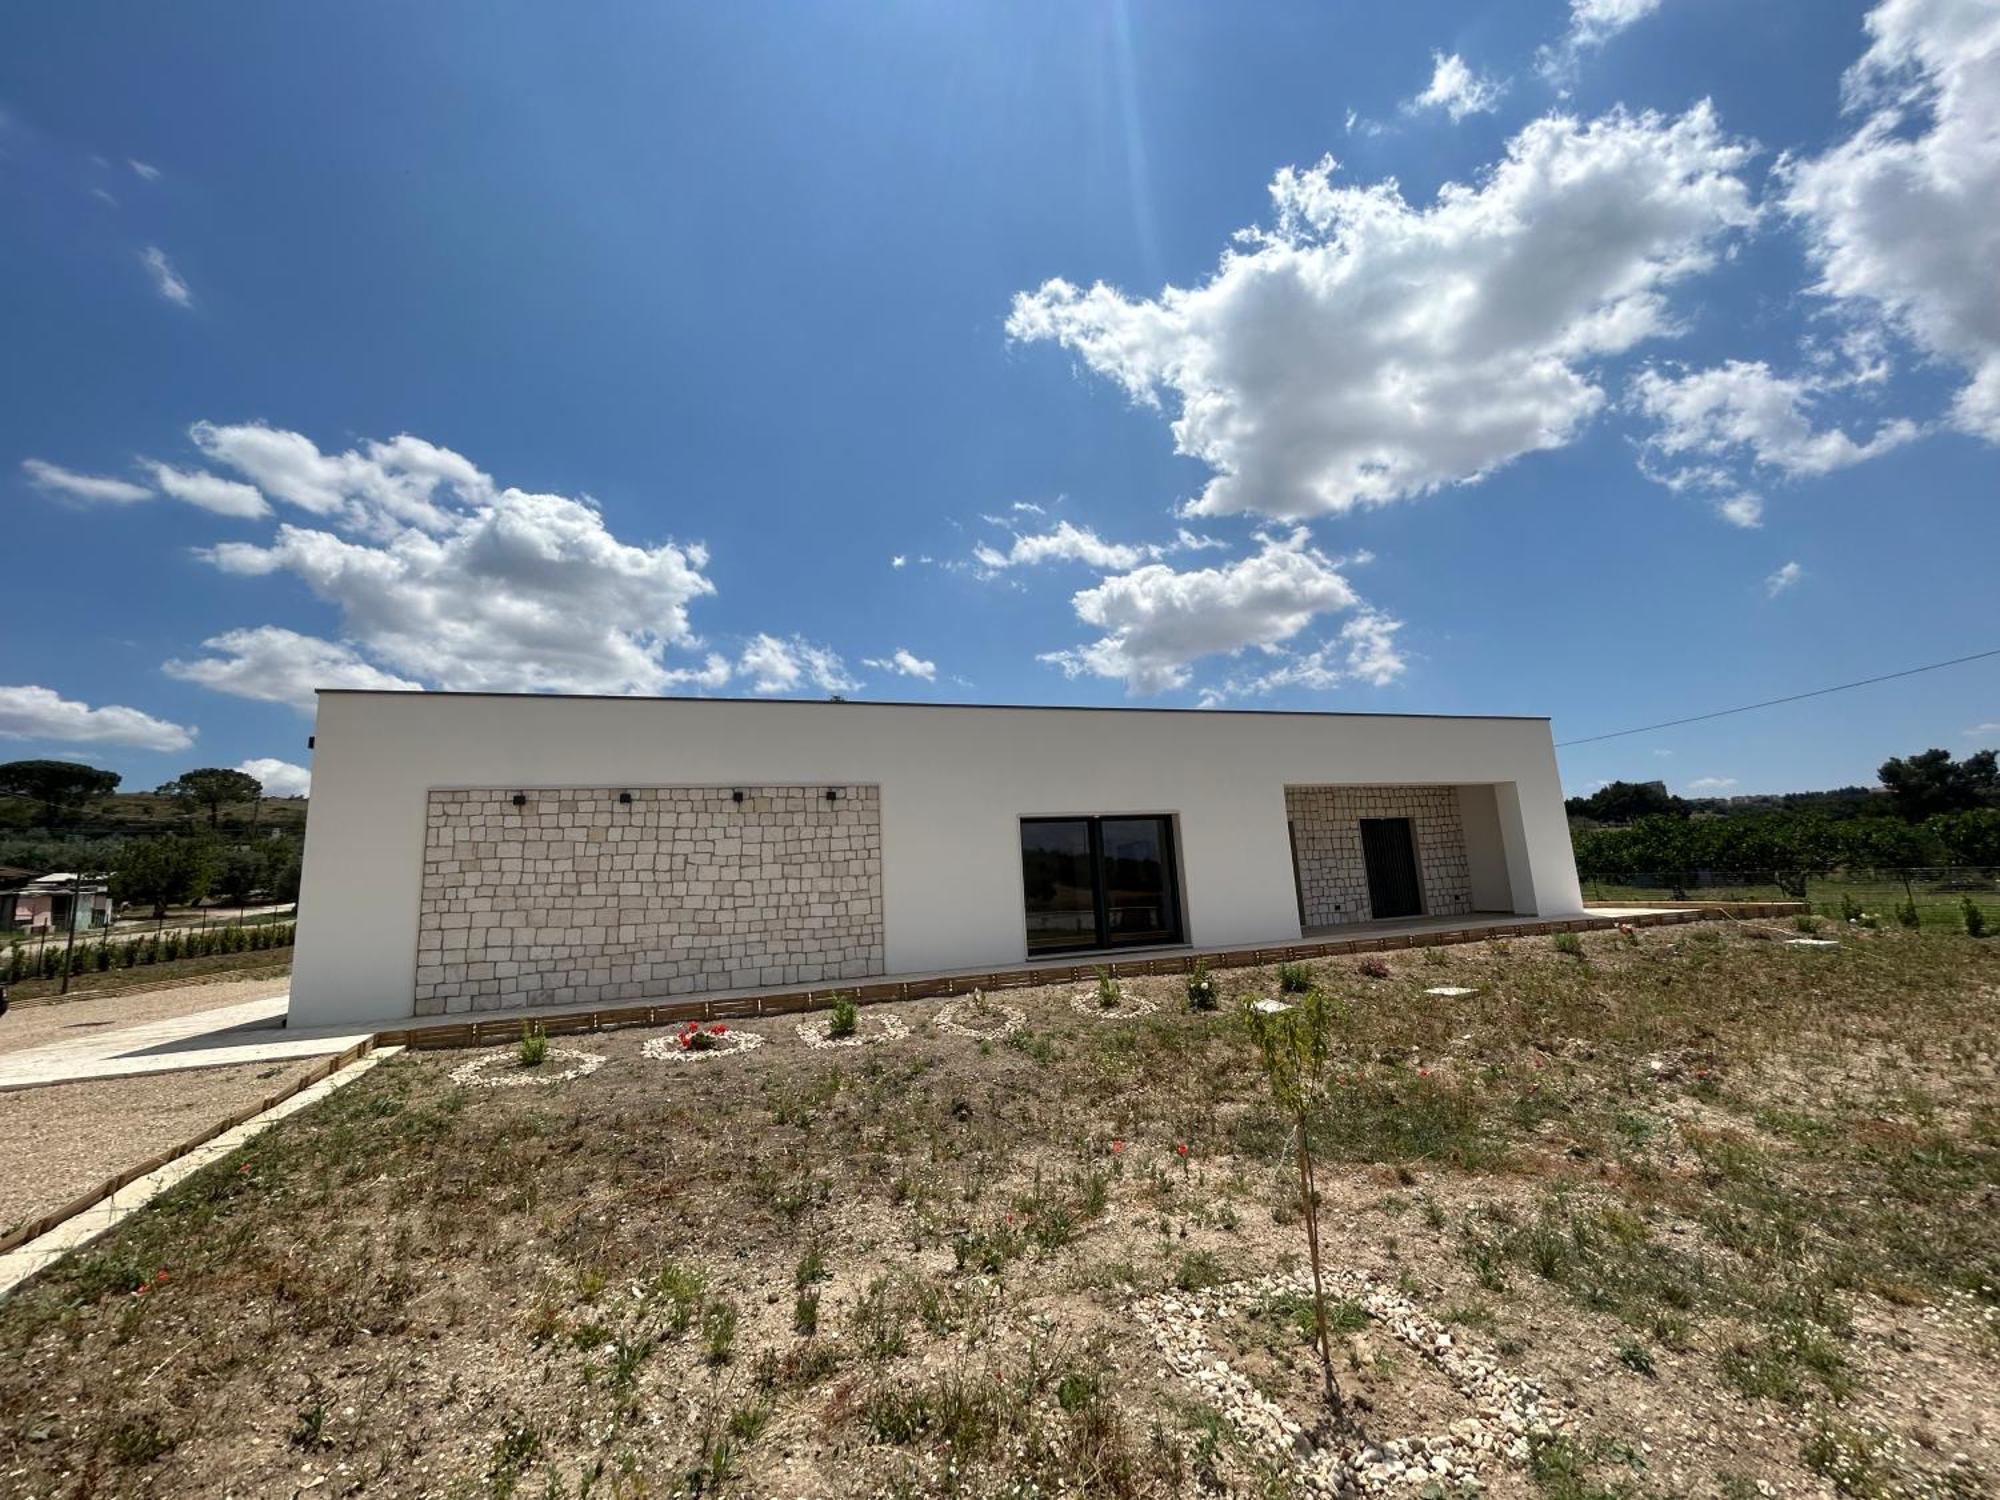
35	1228
499	1031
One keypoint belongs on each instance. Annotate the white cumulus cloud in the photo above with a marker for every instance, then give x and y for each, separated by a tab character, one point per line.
1592	23
441	577
275	665
1368	350
1902	218
54	479
1784	578
1456	89
1156	622
226	497
903	662
1711	783
784	666
380	487
1739	412
1066	542
280	777
39	713
1362	650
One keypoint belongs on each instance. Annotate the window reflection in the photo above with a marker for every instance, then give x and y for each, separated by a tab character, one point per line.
1099	883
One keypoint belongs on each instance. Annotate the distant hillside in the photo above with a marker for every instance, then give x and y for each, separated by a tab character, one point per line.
125	813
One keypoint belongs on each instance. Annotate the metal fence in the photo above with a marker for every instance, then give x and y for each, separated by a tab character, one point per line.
1937	895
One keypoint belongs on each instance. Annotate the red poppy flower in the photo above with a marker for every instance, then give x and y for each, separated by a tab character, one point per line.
1182	1148
1117	1148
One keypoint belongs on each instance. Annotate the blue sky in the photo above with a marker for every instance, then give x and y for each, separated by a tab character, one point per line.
1612	359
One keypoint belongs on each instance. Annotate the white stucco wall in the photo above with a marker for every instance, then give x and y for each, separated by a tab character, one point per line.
954	784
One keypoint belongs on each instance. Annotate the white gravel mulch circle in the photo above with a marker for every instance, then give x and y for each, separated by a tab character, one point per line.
1270	1007
979	1018
1086	1003
1811	943
722	1043
1450	991
476	1074
868	1030
1512	1409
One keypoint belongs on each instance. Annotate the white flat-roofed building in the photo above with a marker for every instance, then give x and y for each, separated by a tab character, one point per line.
472	853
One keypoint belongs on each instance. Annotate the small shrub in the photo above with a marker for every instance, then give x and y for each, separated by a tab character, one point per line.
1109	995
1435	956
1201	993
682	1288
845	1018
1975	919
1635	1357
805	1313
747	1423
811	1268
1570	944
1628	935
1374	968
1908	916
694	1037
1295	979
718	1332
1806	924
140	1440
1199	1269
534	1047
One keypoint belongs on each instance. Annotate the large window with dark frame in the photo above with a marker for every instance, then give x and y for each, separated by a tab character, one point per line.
1099	883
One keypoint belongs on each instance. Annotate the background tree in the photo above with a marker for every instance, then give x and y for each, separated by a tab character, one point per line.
241	875
1933	782
1625	801
283	859
1967	838
60	787
214	788
175	870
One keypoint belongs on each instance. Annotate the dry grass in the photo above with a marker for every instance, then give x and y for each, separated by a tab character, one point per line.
1732	1202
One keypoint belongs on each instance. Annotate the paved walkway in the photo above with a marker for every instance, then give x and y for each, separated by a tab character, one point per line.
248	1032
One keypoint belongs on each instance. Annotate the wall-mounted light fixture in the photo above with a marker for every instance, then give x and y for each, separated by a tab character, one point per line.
737	796
833	794
626	798
520	799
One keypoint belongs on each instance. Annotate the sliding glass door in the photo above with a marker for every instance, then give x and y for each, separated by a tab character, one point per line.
1099	883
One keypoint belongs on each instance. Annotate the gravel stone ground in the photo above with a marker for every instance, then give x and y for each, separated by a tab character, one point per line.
37	1025
59	1142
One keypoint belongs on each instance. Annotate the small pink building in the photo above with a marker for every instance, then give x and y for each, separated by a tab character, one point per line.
50	903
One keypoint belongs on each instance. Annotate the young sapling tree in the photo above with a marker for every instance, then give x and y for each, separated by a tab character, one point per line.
1296	1046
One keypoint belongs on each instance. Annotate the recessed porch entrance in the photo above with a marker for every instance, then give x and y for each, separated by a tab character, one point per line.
1379	853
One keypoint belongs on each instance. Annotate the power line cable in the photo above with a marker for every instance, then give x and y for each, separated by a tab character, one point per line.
1723	713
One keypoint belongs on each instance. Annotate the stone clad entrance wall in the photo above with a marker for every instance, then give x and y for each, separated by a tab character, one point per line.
575	898
1326	839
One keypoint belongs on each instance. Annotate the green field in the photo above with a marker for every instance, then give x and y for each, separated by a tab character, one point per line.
1939	895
